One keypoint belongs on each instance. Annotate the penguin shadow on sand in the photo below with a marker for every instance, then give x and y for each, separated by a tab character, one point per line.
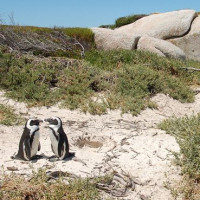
29	143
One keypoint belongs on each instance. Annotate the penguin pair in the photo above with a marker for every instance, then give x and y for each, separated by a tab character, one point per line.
29	143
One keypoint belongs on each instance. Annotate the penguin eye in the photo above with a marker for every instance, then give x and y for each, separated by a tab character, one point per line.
34	122
55	122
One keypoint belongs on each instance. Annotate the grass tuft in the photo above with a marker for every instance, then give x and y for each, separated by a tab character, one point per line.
124	21
41	187
186	131
127	20
8	117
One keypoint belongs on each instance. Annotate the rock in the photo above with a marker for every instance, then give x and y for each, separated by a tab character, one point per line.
143	197
12	169
163	26
190	43
160	47
108	39
149	34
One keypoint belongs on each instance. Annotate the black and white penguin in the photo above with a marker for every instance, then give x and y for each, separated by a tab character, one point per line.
59	141
29	143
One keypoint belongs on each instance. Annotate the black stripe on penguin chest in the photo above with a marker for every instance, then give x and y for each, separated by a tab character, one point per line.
32	137
54	133
61	142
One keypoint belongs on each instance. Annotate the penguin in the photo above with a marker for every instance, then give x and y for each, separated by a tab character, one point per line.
59	141
29	142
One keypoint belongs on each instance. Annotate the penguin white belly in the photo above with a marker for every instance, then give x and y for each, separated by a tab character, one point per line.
35	143
54	143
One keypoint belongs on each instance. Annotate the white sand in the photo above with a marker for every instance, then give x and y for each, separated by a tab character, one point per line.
131	144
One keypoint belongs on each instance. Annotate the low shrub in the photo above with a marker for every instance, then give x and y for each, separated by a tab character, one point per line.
122	21
8	117
136	84
187	134
41	187
116	59
127	20
123	79
57	42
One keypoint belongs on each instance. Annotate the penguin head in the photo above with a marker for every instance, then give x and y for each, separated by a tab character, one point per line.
33	124
54	122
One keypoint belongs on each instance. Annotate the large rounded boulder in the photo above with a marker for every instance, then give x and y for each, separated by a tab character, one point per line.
162	26
190	43
160	47
171	34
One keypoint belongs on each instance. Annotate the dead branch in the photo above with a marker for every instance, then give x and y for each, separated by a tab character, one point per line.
119	185
190	68
79	160
40	42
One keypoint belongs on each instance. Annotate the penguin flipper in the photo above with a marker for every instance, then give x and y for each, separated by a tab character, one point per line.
52	148
63	150
39	146
60	148
27	150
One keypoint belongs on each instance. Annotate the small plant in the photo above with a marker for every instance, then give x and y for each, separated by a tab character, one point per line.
41	187
81	34
186	131
124	21
127	20
8	117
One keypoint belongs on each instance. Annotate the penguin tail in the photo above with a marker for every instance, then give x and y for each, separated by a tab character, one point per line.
70	155
15	157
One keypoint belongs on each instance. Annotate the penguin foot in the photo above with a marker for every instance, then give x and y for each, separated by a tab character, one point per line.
53	159
37	157
70	156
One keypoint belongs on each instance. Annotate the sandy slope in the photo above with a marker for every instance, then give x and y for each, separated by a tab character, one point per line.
130	144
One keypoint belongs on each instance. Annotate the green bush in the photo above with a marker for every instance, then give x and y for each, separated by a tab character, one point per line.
127	20
116	59
124	21
8	117
45	187
136	84
27	82
28	28
47	42
123	79
186	131
81	34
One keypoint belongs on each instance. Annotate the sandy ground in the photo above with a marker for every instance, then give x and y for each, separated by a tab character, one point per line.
129	144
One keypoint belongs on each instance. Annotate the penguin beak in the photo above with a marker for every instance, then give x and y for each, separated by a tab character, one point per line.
47	120
37	121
